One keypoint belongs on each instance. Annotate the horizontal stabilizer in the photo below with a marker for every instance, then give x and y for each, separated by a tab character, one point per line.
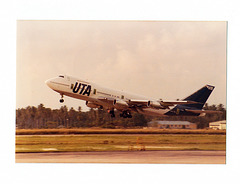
204	111
167	103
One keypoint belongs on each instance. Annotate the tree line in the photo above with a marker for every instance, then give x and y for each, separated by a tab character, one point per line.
41	117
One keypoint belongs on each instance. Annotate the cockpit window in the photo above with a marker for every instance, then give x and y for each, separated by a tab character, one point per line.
61	76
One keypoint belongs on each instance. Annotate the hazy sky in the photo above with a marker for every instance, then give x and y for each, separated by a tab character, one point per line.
167	60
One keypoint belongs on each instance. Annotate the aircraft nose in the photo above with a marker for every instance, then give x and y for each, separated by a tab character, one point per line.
48	82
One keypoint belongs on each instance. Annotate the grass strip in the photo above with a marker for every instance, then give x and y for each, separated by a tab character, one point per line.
114	142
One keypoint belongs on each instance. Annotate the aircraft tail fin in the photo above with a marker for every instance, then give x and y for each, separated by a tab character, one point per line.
200	96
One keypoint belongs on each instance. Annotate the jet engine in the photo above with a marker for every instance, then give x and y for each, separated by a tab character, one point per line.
92	105
155	104
120	104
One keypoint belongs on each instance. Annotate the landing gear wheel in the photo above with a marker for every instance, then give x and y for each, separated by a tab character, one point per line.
126	114
112	113
61	100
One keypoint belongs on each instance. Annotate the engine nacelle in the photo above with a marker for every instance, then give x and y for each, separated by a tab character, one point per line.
120	104
202	114
92	105
155	104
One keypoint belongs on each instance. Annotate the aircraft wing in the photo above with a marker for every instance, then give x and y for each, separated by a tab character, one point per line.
134	103
160	104
104	99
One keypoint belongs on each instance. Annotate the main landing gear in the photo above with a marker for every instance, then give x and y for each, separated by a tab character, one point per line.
112	113
61	100
126	114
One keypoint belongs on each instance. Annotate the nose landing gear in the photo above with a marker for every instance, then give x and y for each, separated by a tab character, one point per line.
61	100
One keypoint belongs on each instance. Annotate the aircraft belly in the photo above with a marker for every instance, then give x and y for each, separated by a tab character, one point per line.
106	105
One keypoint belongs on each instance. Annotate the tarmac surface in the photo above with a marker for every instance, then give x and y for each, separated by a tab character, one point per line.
128	157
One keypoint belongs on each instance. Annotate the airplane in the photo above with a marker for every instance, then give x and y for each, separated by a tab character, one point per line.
97	96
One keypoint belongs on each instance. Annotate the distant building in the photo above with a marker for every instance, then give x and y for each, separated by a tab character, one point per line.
218	125
172	124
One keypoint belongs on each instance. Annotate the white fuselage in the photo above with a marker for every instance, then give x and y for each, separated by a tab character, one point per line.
100	96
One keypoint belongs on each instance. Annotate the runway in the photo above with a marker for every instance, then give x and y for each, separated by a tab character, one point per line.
128	157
